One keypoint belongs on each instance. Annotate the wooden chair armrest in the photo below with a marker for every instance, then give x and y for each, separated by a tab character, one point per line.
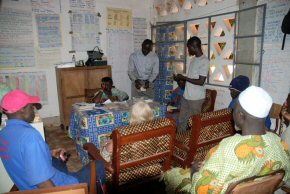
181	146
94	153
285	188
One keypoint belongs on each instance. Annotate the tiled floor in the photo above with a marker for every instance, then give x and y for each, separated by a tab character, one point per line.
57	138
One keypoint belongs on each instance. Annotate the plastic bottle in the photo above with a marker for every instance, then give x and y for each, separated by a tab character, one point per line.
74	59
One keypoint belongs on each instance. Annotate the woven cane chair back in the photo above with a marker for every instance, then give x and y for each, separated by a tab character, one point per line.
142	150
208	130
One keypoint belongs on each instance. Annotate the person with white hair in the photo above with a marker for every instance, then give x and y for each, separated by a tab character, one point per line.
254	152
140	112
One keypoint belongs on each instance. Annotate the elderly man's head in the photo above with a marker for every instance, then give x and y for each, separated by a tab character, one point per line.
250	111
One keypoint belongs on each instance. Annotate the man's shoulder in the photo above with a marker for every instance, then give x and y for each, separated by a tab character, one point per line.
136	53
204	59
154	55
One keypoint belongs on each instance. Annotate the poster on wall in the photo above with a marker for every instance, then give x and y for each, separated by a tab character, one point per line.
16	39
34	83
139	32
45	6
120	19
276	10
48	31
85	31
82	5
120	46
23	5
49	39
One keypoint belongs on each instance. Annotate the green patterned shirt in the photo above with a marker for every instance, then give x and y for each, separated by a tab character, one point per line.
234	159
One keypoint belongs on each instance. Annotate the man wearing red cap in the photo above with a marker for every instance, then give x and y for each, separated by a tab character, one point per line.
26	157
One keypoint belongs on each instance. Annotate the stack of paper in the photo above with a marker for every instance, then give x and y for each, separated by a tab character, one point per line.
171	108
84	106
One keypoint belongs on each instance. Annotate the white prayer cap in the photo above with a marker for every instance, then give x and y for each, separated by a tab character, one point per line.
256	101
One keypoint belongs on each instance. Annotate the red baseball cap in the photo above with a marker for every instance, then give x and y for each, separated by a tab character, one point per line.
17	99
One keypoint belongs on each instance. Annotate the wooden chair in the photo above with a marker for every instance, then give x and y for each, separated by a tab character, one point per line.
81	188
208	130
209	102
89	94
140	151
266	184
275	114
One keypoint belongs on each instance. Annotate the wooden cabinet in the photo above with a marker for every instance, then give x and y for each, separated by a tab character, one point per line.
72	83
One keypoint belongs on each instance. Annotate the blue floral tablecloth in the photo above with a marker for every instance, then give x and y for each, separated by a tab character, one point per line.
97	125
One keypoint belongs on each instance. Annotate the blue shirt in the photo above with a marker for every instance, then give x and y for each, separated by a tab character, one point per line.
176	96
267	122
27	158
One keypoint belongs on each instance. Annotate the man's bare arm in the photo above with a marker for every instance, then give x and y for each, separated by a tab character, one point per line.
46	184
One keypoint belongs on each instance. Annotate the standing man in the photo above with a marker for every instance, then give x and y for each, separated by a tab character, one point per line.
194	93
142	70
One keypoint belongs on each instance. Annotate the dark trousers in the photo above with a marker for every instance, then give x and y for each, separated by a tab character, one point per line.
83	175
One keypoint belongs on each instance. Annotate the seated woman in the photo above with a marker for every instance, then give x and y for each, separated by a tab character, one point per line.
139	113
254	152
108	91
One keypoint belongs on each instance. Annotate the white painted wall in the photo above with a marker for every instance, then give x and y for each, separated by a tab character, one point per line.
146	9
139	9
212	8
275	72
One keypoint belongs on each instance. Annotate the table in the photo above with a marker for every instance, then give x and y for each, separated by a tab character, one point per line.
96	125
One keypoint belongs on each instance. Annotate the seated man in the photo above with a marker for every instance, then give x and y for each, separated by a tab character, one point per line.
254	152
176	96
237	85
175	100
109	92
25	155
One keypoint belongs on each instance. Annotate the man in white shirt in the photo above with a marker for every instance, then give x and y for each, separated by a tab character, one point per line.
142	70
194	93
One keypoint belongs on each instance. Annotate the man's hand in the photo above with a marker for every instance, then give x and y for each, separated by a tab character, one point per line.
138	84
108	93
146	84
179	77
196	166
284	111
56	152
